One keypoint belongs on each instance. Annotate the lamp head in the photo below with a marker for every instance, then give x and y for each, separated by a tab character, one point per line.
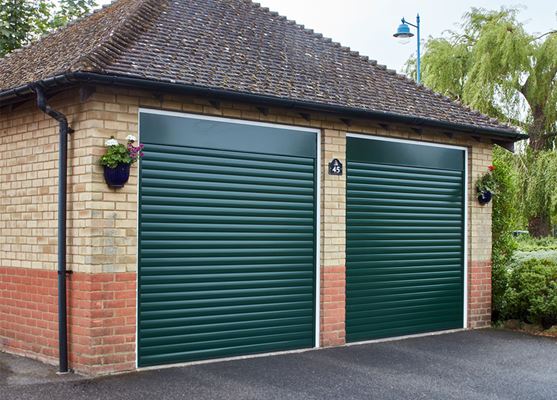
403	32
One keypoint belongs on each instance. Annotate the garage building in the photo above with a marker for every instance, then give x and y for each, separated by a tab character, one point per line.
293	193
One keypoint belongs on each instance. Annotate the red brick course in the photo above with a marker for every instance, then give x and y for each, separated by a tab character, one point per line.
102	314
479	294
333	301
101	318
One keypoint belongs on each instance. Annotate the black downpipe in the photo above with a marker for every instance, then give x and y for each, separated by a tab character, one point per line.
64	130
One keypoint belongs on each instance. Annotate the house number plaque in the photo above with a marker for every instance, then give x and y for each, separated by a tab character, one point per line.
335	167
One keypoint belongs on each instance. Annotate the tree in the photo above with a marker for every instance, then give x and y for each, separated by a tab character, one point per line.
537	184
495	66
70	10
22	21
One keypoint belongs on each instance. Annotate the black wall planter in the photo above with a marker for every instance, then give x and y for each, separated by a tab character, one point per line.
484	197
117	177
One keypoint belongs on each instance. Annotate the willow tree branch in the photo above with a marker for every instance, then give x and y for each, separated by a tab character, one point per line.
542	35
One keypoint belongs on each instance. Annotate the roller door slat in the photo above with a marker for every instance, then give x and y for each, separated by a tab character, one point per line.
161	332
211	350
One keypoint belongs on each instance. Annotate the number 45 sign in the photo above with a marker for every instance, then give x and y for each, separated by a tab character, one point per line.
335	167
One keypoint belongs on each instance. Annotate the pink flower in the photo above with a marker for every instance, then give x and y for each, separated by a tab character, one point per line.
135	152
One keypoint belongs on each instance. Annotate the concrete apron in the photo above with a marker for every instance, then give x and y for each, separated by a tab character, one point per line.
17	370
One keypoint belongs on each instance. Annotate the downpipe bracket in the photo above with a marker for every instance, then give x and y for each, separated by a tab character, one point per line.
66	272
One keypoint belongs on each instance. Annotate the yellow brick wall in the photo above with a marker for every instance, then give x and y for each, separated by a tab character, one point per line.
28	185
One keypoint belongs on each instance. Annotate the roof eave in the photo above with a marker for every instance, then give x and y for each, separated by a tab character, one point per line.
504	135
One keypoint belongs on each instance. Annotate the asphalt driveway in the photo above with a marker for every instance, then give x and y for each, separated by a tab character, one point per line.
485	364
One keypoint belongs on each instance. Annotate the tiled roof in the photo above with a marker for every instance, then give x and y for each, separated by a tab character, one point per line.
232	45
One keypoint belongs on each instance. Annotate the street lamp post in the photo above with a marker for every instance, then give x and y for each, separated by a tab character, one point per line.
403	32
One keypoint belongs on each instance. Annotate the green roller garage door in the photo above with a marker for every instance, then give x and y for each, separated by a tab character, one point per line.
226	239
405	238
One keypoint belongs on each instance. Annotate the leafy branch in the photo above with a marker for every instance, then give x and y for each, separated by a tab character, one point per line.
22	21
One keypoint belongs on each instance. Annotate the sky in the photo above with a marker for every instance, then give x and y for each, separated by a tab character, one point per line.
367	26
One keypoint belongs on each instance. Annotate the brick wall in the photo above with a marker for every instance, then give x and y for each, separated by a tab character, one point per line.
101	318
28	187
102	232
28	311
479	294
101	291
102	321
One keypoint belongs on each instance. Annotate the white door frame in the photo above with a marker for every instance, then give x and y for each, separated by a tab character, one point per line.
317	202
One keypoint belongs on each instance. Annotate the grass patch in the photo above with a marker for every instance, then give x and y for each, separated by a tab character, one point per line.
527	243
520	256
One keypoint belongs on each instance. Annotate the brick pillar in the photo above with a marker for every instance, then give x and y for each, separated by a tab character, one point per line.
479	252
333	240
102	322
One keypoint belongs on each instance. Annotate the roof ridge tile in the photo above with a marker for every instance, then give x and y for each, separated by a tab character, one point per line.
124	33
319	35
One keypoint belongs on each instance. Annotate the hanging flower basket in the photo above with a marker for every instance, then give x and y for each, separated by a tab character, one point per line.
486	186
117	177
484	197
118	160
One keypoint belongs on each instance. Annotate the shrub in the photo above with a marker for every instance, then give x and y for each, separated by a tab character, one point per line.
531	294
504	222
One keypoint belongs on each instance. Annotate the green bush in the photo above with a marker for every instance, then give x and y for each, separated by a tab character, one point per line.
504	221
531	294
